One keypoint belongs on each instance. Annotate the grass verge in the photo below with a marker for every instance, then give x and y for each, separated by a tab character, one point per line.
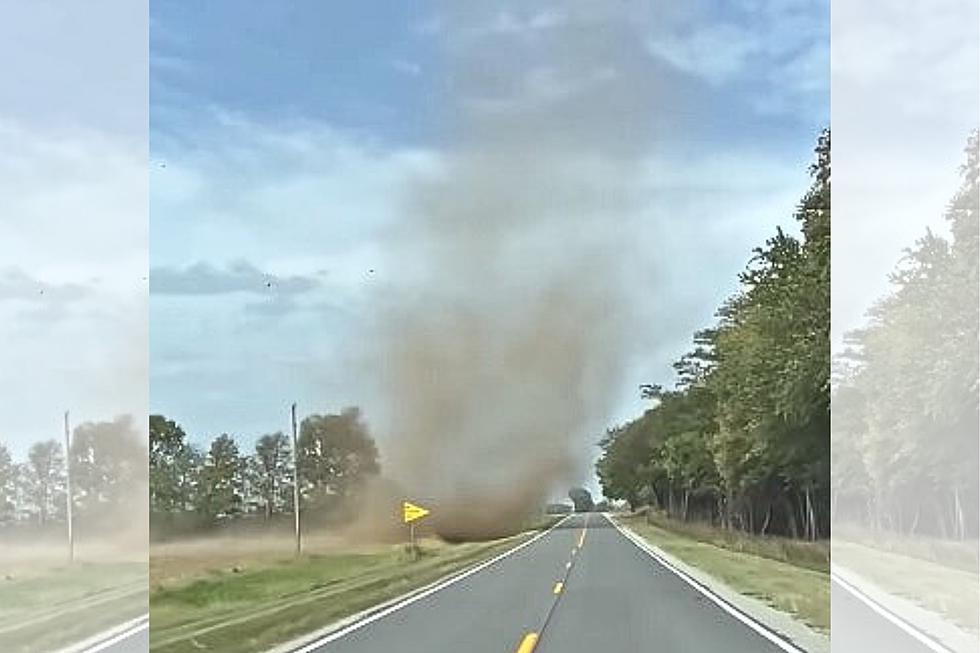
947	590
47	609
788	576
243	610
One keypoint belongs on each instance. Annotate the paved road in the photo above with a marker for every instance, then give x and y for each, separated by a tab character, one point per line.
615	598
133	638
858	629
137	642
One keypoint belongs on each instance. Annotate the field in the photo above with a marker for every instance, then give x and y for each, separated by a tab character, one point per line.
47	604
789	575
241	596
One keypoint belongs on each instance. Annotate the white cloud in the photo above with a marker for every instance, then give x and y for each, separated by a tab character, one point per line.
777	53
507	22
205	278
165	63
905	97
274	195
718	53
74	206
298	202
74	256
410	68
311	201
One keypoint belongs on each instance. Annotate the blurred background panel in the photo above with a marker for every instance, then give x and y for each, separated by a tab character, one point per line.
905	326
73	325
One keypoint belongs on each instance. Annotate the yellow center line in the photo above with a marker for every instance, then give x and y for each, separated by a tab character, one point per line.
581	539
528	643
558	587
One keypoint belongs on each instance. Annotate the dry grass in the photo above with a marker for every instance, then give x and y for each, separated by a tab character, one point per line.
788	578
945	589
810	555
177	563
45	603
248	595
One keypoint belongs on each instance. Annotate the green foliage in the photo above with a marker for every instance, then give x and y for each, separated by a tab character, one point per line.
108	466
744	437
268	603
46	479
108	478
173	467
272	471
222	491
8	485
192	490
906	410
336	452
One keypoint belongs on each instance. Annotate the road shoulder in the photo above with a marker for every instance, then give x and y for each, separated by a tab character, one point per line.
781	623
930	628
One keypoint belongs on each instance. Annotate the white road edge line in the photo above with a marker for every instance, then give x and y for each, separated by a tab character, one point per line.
882	611
717	600
373	614
109	637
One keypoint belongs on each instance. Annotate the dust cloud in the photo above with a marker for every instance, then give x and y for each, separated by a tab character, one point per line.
504	345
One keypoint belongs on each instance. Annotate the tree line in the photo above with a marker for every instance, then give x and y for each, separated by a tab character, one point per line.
743	438
108	478
906	416
194	488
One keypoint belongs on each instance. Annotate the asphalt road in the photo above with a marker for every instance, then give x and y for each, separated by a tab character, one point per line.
614	598
857	628
138	642
135	639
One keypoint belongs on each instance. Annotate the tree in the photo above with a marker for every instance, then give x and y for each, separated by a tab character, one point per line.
174	467
46	466
336	453
8	486
582	499
274	471
222	480
108	465
911	386
743	439
623	470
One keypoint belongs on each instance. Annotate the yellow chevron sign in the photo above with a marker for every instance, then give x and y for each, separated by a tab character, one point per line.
411	512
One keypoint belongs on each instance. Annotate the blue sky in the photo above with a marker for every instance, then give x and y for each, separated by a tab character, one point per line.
350	66
285	136
73	227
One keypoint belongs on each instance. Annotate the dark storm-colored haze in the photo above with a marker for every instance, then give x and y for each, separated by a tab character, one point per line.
503	352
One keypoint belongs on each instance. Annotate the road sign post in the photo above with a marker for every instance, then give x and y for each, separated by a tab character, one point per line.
411	513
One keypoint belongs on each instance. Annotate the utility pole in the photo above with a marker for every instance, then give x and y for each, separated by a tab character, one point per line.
299	546
68	497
